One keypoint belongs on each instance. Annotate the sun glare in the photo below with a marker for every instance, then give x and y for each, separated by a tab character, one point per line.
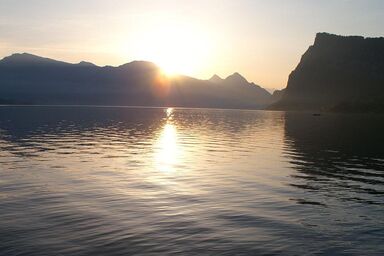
167	149
176	49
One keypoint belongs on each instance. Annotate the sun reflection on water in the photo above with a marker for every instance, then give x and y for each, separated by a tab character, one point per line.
167	153
169	112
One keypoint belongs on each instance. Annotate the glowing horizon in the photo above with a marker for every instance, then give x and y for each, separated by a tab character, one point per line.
261	40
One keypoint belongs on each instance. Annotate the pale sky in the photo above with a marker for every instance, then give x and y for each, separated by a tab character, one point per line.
263	40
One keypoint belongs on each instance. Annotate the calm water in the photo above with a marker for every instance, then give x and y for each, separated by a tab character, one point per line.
126	181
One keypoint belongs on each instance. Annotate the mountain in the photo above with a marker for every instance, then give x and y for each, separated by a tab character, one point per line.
237	86
26	59
30	79
337	73
85	63
216	79
277	95
235	78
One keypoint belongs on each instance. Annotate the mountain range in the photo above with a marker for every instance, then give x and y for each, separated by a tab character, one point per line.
336	73
30	79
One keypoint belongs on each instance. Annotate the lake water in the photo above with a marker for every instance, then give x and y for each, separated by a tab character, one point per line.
152	181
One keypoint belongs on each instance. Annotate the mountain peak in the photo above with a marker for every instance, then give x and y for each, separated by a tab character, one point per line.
236	78
27	58
327	39
139	64
86	64
22	57
215	79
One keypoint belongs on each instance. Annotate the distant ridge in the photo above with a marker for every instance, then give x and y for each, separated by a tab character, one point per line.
216	79
29	59
337	73
86	64
236	78
31	79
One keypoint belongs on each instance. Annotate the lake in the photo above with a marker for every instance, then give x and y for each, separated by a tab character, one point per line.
153	181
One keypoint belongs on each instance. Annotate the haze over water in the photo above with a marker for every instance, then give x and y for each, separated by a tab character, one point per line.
124	181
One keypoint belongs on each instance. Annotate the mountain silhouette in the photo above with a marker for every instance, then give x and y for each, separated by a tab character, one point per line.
31	79
216	79
86	64
236	78
337	73
240	88
26	59
277	95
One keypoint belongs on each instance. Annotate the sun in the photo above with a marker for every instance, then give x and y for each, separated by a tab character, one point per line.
175	48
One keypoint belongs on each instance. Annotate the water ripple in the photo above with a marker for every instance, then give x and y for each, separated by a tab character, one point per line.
148	181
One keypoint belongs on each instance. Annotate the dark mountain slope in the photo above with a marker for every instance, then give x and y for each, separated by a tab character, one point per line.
238	87
25	78
337	73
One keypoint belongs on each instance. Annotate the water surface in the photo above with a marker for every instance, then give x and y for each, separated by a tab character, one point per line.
126	181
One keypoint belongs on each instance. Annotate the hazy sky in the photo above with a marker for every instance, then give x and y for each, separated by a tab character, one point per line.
263	40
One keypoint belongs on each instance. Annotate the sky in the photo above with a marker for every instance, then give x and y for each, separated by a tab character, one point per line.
262	40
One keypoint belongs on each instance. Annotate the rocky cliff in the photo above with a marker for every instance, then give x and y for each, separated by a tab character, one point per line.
337	73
